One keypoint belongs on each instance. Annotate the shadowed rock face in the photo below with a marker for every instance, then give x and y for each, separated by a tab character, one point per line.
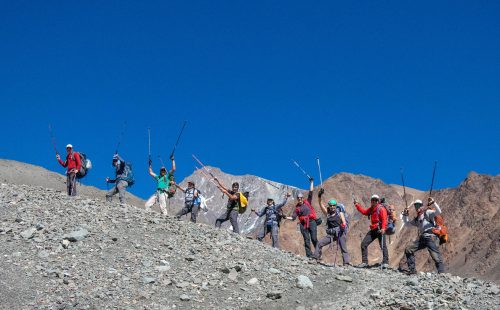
470	211
60	252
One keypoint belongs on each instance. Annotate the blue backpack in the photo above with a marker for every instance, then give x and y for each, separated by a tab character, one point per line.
341	208
129	174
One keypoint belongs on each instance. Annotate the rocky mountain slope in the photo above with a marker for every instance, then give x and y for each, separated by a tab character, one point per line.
15	172
62	252
471	213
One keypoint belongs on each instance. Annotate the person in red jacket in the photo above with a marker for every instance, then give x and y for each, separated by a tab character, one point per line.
74	164
378	217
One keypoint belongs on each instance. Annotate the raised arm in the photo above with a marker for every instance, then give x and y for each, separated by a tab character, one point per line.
311	189
184	190
321	203
279	206
173	165
151	173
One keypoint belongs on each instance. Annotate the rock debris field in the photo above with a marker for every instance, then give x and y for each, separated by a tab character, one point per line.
59	252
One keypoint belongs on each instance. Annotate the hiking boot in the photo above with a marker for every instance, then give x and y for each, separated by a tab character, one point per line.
410	272
384	266
362	265
347	265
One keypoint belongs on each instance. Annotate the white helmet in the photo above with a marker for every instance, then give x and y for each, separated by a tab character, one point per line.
375	197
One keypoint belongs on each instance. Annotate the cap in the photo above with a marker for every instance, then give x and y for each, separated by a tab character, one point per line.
269	199
418	202
375	197
69	145
300	195
190	182
115	157
163	168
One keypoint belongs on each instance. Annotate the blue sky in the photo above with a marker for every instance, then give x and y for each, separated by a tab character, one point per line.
368	86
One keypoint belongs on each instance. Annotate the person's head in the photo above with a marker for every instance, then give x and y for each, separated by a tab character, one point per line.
236	186
270	201
374	200
163	171
300	198
115	160
418	204
332	206
190	184
69	148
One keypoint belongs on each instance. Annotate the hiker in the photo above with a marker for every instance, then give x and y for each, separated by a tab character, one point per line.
233	204
307	219
336	227
271	224
74	164
163	183
378	216
121	179
192	201
425	223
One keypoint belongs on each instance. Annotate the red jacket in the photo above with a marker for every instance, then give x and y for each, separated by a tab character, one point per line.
374	215
73	161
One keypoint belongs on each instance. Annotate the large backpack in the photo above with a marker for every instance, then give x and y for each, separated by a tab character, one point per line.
440	229
129	174
391	218
341	208
86	165
312	215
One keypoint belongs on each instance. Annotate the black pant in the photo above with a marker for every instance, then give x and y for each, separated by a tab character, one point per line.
71	183
189	207
369	238
424	241
309	234
232	216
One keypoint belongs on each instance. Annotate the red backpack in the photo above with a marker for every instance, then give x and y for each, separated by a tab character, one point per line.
311	216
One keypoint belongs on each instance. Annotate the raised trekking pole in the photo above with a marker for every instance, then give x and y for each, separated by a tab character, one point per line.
265	181
161	162
319	169
301	169
404	188
120	137
178	138
433	175
53	139
149	147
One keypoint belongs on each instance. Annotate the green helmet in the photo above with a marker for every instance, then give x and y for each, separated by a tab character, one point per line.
332	203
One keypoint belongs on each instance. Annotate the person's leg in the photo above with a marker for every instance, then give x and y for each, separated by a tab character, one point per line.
162	201
313	231
68	184
410	254
263	232
73	184
151	201
183	211
383	246
194	213
433	249
343	248
110	194
222	218
318	250
122	189
307	240
234	221
275	235
364	246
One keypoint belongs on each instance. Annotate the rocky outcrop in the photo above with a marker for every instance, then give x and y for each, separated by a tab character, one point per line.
128	258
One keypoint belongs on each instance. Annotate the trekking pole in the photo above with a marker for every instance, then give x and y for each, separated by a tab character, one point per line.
53	139
303	171
206	175
382	248
336	251
178	138
433	175
319	169
404	188
265	181
149	146
120	137
161	161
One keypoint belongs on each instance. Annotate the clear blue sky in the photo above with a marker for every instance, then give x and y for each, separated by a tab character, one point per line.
369	86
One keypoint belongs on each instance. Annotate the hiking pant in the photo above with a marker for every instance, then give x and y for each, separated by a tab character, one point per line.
161	197
274	230
71	184
120	189
189	207
341	242
309	234
232	216
371	235
424	241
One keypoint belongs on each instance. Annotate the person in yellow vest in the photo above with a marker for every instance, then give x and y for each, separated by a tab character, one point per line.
236	201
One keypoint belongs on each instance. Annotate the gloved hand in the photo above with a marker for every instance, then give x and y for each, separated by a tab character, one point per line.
405	212
58	157
430	201
343	226
107	179
150	162
172	157
382	231
311	179
321	192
